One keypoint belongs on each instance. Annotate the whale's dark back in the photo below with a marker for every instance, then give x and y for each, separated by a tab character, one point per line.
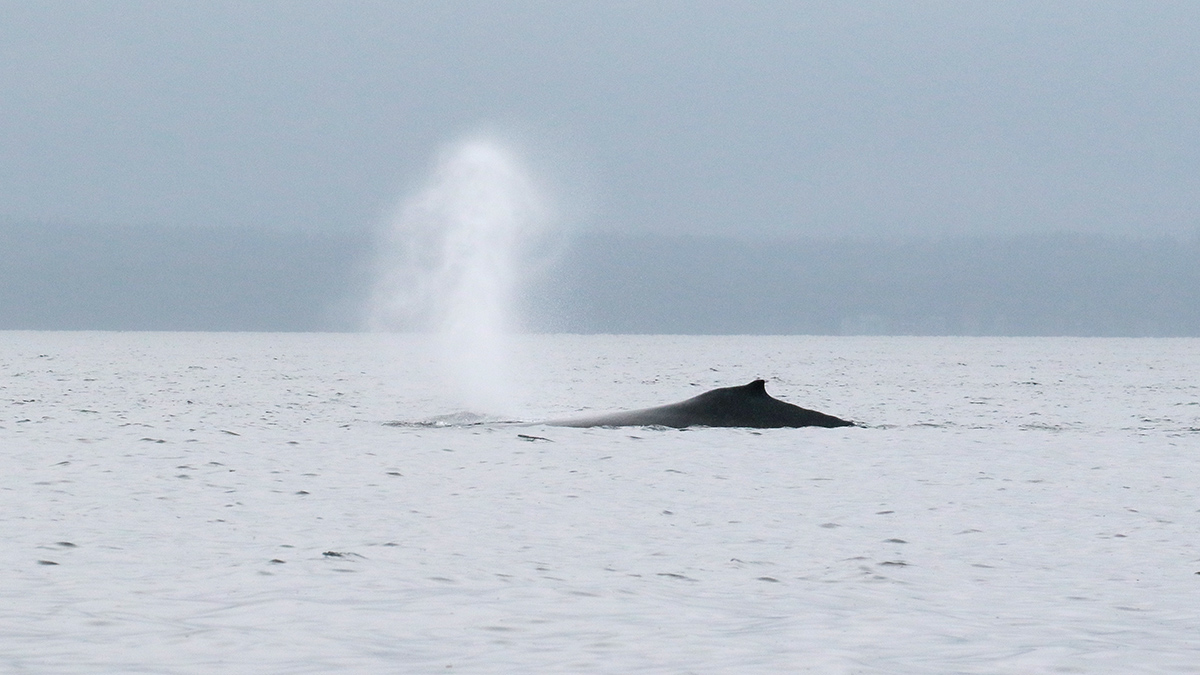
746	406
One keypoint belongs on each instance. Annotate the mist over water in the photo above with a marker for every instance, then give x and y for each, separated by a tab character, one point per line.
452	265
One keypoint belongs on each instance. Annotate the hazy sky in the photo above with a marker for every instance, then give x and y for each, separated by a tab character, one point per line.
865	118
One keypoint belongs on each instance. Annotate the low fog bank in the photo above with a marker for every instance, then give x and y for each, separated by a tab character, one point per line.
145	278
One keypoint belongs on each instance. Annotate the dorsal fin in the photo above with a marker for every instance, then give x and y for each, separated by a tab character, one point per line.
756	388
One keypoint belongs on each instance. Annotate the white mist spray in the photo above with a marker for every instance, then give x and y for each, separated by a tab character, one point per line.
453	262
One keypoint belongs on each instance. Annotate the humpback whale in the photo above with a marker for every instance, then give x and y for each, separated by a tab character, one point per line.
746	406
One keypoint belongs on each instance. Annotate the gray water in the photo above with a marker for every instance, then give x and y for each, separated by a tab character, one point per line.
184	503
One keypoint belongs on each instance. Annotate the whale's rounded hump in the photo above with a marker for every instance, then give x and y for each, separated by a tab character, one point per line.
748	405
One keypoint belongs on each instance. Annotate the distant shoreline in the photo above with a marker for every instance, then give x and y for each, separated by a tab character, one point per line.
251	279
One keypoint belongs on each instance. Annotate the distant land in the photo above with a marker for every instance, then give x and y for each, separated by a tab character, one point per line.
1012	285
178	279
161	278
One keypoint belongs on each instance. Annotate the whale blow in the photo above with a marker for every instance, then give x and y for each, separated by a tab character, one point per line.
746	406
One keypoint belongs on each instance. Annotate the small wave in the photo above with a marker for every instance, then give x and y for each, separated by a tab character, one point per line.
456	419
1040	426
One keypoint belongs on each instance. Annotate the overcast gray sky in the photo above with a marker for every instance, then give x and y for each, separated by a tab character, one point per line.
747	118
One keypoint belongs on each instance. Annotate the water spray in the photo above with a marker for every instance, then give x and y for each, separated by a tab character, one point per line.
453	262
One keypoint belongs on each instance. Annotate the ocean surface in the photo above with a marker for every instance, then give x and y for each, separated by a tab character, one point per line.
313	503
